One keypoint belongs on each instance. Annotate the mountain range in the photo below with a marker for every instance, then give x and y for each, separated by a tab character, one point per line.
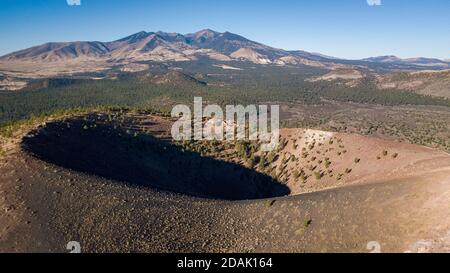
133	52
162	46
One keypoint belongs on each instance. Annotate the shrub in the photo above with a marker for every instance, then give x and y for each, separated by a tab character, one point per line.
271	157
270	203
319	175
262	163
308	223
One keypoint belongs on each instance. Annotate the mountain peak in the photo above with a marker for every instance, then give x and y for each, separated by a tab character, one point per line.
204	34
208	30
384	59
134	37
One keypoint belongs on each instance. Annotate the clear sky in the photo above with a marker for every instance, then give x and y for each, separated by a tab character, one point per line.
343	28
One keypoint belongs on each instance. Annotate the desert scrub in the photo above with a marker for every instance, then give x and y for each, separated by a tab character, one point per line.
319	175
9	128
282	168
285	159
296	174
394	156
272	157
283	144
262	163
270	203
357	160
308	223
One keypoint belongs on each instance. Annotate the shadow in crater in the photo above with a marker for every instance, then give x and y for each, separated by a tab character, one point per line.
109	151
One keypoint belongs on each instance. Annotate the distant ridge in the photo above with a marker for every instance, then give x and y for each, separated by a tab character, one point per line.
55	58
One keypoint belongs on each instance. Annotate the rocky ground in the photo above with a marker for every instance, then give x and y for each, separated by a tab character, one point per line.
44	205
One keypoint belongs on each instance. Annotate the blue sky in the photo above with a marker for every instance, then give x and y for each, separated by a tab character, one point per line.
342	28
